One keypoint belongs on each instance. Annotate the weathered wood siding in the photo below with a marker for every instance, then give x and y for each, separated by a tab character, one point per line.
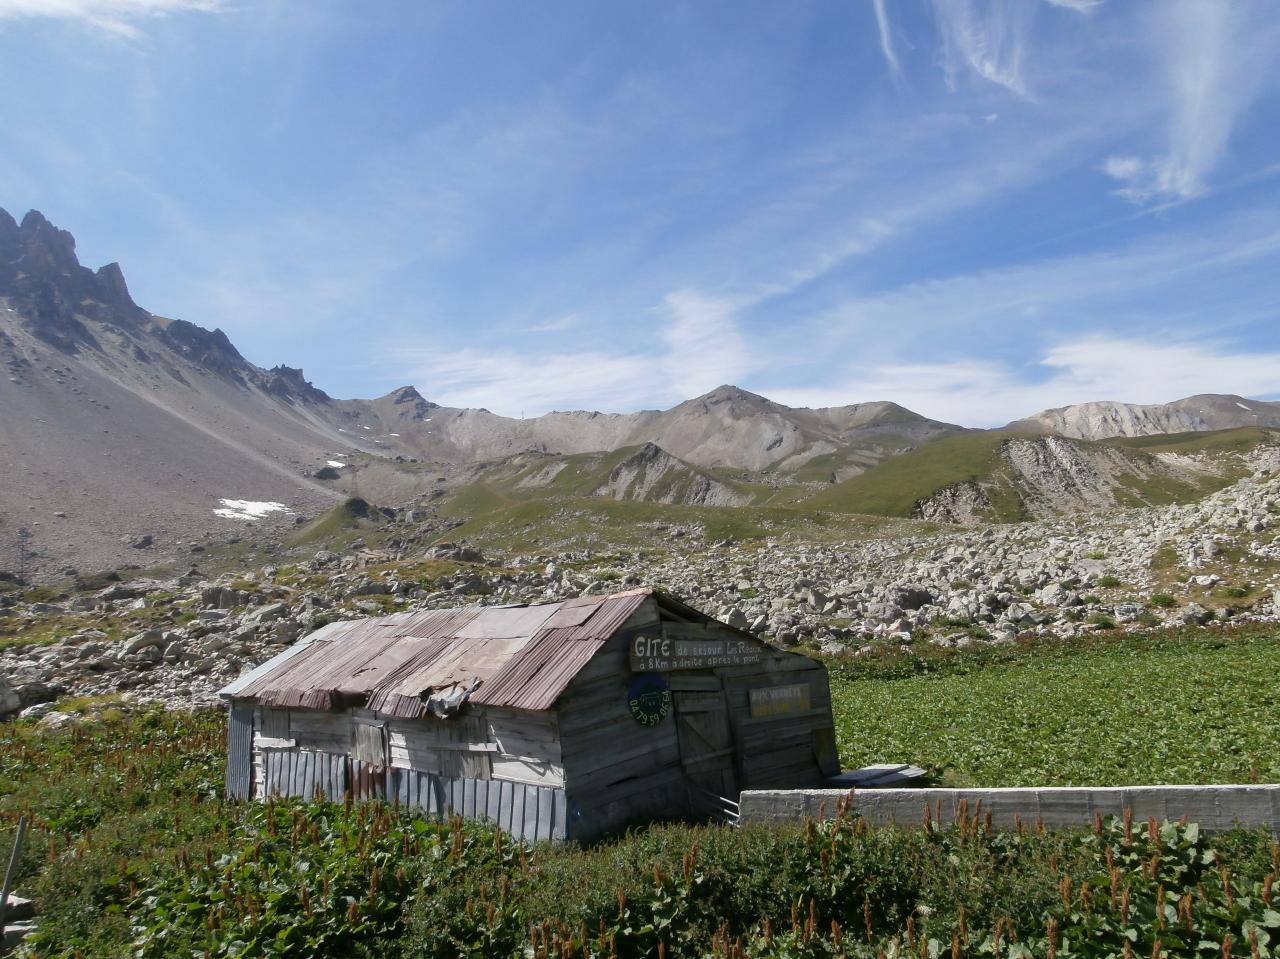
789	750
616	771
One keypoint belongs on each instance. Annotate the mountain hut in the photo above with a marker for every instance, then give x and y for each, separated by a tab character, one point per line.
564	720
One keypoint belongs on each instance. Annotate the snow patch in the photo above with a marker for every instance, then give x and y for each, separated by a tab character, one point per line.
336	465
1243	407
247	509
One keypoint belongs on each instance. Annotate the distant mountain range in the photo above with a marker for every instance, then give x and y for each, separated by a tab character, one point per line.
117	424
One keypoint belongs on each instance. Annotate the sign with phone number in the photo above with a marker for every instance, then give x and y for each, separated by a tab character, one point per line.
663	654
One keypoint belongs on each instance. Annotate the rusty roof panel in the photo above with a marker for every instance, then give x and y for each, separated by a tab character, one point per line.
522	657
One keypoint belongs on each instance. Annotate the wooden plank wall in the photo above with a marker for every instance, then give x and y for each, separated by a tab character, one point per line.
240	752
787	750
616	771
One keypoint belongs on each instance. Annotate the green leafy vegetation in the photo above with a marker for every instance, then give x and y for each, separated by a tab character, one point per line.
1187	706
133	851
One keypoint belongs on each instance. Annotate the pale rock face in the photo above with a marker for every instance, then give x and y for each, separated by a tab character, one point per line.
1054	476
1101	420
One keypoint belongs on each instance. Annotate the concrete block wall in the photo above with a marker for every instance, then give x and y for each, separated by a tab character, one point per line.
1215	808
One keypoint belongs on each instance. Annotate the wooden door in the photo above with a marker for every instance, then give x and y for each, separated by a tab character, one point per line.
706	742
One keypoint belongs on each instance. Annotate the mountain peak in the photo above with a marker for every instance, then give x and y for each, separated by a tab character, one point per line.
288	383
114	288
728	393
40	272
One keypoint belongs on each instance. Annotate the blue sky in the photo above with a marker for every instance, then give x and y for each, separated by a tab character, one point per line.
977	208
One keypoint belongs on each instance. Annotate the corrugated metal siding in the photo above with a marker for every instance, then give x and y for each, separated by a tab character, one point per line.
303	773
239	751
520	657
524	811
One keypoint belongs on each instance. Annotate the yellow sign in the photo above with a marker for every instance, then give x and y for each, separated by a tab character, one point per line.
772	701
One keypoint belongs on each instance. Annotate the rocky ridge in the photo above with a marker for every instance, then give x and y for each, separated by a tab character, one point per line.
1102	420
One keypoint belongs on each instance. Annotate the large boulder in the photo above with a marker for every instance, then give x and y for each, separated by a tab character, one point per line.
9	701
911	597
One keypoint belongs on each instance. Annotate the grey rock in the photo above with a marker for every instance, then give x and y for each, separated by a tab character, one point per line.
20	908
148	639
1195	615
9	701
911	597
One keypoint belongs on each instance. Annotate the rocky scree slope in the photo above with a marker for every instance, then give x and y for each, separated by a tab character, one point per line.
123	432
178	640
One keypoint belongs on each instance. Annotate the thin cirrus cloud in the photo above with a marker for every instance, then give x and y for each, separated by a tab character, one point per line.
697	347
116	17
1082	6
989	39
978	392
886	36
1212	60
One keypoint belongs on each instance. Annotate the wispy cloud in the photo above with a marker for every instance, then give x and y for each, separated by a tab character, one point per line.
116	17
698	347
705	348
529	383
980	392
1082	6
886	36
1213	59
988	38
561	324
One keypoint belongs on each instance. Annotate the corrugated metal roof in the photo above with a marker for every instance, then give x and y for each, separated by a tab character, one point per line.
518	656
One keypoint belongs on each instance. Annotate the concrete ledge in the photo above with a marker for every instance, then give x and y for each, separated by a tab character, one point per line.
1215	808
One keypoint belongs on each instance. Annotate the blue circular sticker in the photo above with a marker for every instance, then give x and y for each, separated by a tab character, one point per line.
649	698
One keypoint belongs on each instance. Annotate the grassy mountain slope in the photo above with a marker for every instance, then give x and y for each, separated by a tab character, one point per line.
1006	476
898	485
